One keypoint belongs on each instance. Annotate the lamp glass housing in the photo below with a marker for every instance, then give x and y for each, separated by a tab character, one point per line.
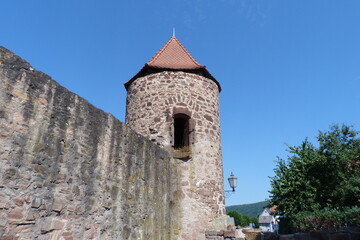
232	181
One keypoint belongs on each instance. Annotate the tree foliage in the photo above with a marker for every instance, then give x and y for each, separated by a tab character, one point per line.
314	178
325	219
242	220
236	215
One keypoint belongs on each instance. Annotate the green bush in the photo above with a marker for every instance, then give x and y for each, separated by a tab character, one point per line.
325	219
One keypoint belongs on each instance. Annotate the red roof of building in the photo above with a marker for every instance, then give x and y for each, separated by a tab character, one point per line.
273	209
173	56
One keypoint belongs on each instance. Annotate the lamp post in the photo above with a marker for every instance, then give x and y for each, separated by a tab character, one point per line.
232	181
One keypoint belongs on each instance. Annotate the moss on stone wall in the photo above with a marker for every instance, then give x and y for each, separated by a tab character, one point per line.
69	170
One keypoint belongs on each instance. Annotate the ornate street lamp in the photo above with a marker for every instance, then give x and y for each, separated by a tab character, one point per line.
232	181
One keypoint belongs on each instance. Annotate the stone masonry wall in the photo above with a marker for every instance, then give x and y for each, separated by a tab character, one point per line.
71	171
152	102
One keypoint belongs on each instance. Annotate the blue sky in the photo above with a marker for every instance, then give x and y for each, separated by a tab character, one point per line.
287	68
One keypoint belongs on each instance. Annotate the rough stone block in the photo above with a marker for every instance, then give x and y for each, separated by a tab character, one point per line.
52	224
55	235
29	215
9	237
231	227
220	223
253	235
67	235
23	229
210	233
91	234
16	214
3	220
36	202
18	201
230	234
4	204
239	233
57	205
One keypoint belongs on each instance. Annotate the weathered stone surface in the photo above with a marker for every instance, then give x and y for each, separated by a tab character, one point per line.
23	228
220	223
36	203
18	201
9	237
57	205
210	233
4	204
66	166
3	219
252	235
178	92
16	214
51	224
67	235
229	234
225	235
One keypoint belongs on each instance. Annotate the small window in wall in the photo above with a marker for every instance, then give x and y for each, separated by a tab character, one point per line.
181	131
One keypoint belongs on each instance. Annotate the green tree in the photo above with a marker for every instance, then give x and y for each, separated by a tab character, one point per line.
255	220
236	215
245	220
242	220
314	178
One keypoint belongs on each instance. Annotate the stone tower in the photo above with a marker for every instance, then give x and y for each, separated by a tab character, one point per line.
174	101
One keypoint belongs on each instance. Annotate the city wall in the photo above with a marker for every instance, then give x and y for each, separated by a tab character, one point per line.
71	171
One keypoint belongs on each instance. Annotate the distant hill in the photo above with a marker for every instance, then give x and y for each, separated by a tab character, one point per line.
251	210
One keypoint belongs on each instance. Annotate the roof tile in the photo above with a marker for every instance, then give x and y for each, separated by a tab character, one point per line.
173	55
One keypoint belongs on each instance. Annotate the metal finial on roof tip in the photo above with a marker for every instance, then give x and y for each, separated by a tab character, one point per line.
173	32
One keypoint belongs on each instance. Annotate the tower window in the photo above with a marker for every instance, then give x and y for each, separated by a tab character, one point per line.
181	131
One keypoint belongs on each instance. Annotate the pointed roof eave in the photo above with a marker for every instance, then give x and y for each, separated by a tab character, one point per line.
146	69
173	57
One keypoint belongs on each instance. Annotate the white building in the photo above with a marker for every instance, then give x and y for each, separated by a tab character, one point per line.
268	221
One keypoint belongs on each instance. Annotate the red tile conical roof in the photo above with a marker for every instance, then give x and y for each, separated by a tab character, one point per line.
173	55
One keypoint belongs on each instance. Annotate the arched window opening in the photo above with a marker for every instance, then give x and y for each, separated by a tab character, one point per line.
181	131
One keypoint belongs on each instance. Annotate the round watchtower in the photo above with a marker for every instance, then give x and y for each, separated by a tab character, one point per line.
174	101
